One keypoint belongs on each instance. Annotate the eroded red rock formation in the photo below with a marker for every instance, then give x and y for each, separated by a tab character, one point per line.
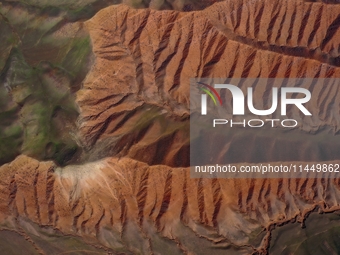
134	108
126	205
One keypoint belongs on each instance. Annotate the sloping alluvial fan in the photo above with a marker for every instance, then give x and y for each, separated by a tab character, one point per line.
134	194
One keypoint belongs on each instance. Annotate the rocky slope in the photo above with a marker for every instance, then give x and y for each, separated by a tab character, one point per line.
128	207
133	194
136	96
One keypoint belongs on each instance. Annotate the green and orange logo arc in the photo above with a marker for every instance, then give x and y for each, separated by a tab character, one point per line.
208	89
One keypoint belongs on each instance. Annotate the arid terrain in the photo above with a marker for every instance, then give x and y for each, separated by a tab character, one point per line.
95	134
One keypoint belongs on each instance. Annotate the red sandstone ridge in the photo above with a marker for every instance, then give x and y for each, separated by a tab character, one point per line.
121	205
138	198
135	100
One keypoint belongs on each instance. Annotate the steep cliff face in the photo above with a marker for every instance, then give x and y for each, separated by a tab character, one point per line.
133	193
